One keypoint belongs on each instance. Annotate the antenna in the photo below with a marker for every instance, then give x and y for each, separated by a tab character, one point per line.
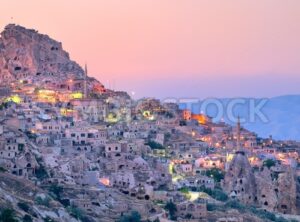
85	83
238	134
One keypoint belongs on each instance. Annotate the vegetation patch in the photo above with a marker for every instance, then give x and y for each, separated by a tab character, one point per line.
134	216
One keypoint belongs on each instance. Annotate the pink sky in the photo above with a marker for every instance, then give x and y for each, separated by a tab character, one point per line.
178	48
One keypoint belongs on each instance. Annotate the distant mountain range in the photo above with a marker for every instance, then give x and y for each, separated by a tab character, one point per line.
282	112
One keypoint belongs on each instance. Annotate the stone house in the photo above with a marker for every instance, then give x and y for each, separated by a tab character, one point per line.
25	165
192	210
123	180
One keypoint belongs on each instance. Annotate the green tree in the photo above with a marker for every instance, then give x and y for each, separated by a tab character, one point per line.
171	207
41	172
134	216
43	201
75	212
269	163
3	105
184	190
211	207
217	194
155	145
27	218
24	206
2	170
8	215
56	190
215	173
234	204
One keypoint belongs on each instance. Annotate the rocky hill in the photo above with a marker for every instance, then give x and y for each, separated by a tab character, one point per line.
29	203
272	189
24	53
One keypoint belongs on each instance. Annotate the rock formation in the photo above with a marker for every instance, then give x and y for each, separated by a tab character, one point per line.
24	53
286	186
273	193
27	56
239	181
266	190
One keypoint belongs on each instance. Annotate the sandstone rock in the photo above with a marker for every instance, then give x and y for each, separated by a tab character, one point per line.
260	188
24	53
239	180
286	185
266	190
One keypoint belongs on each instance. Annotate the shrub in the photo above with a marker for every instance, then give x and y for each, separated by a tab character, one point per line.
184	190
27	218
56	190
3	105
186	193
234	204
23	206
132	217
265	215
217	194
75	212
43	201
155	145
269	163
65	202
211	207
215	173
281	219
8	215
41	173
171	207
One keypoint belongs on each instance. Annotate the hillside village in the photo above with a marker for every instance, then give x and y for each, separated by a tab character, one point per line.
83	152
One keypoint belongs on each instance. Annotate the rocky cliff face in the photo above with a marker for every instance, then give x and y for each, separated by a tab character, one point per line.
287	192
260	188
26	54
267	191
239	181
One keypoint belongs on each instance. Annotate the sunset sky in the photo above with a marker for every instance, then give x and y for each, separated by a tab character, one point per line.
177	48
